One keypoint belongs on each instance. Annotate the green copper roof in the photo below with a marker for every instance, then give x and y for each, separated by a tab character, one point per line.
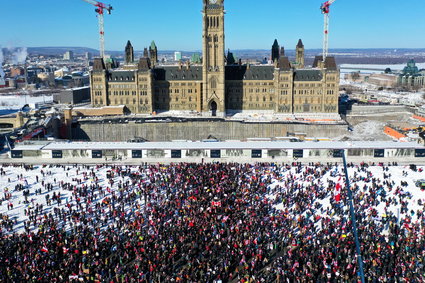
411	68
153	45
196	58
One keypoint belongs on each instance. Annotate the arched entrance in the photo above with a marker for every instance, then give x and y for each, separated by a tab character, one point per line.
213	108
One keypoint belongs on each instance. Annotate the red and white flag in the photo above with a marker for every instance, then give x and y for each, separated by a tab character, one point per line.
337	193
216	202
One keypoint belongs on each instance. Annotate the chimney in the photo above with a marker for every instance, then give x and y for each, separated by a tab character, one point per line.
187	64
68	121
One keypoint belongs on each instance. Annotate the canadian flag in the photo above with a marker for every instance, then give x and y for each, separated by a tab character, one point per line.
216	202
337	193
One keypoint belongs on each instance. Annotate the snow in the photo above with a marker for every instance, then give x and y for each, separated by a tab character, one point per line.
53	175
399	97
377	67
366	131
360	179
19	101
71	174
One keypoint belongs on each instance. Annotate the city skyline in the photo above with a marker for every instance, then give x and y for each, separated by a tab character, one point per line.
178	26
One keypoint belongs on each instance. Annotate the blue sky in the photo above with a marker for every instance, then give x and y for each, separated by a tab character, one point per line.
250	24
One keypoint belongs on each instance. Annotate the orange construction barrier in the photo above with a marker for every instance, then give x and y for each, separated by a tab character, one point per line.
393	133
420	118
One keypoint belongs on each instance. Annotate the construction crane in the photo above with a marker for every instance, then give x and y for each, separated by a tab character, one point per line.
325	11
100	8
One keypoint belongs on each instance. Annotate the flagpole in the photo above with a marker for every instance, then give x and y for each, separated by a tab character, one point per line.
353	218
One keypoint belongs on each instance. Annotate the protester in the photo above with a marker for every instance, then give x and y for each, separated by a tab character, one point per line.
208	223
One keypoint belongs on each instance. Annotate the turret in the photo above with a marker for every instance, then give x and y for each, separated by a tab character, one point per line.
129	53
300	54
282	51
153	53
275	51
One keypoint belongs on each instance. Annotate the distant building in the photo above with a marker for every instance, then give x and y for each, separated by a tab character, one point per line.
177	56
61	72
153	53
80	79
73	96
411	76
217	87
68	56
383	80
89	56
11	82
16	72
47	78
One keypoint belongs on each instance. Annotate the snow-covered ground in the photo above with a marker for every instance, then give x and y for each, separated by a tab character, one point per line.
366	131
19	101
14	177
378	67
362	179
408	98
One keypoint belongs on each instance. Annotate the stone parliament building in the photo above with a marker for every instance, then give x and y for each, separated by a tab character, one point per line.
219	85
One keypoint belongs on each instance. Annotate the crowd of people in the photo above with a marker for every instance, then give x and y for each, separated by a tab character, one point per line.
209	223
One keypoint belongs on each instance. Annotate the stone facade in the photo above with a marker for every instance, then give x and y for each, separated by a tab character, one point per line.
217	87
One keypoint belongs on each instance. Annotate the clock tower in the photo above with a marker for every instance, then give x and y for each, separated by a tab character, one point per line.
213	100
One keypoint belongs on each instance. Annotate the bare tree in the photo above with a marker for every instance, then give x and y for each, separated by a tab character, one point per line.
355	76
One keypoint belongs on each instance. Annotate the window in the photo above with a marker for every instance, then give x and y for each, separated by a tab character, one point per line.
96	154
379	153
298	153
17	154
56	153
337	153
215	153
176	153
256	153
213	84
136	154
419	152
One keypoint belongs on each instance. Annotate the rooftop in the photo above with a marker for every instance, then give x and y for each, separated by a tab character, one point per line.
278	145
